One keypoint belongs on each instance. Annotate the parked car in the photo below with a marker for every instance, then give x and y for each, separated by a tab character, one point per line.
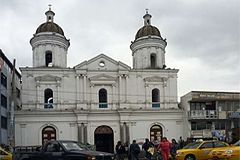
59	150
5	155
230	152
198	150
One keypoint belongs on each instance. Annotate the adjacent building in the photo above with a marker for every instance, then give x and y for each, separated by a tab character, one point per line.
211	114
100	100
9	101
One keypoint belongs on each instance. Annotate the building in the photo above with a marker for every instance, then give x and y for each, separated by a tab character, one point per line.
208	114
7	97
101	100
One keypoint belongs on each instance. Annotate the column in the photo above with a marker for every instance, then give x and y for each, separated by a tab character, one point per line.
164	93
37	99
84	88
146	96
23	134
119	89
113	96
57	103
81	135
126	86
91	96
77	89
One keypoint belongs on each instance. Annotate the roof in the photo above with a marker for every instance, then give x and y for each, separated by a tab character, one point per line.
49	27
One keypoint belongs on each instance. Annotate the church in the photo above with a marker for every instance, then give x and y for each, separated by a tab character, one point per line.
101	100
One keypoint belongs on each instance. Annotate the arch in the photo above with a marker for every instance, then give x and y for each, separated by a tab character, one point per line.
48	98
156	133
103	139
48	58
102	95
155	98
48	133
153	60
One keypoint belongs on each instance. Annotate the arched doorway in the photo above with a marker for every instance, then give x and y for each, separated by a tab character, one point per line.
156	133
103	137
48	133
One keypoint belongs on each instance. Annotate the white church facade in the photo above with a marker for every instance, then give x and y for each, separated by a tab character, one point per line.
101	100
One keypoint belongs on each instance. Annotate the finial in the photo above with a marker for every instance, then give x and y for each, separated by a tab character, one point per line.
146	11
49	7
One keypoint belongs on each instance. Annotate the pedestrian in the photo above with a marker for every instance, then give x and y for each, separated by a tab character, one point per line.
174	149
134	150
120	151
181	142
164	148
148	148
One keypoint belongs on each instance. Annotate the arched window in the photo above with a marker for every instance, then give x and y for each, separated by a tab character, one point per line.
48	59
155	98
102	98
153	60
156	133
48	98
48	133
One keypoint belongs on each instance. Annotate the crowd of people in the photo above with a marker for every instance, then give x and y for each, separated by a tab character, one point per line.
160	151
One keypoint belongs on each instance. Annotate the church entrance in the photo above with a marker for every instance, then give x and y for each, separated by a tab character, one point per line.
156	134
103	138
48	133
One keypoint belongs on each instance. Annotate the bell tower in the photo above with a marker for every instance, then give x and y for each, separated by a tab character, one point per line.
148	48
49	44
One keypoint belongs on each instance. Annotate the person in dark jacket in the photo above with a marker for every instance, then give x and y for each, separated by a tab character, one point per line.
134	150
146	145
174	148
120	151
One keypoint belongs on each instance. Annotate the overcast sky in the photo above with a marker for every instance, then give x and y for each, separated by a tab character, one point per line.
202	35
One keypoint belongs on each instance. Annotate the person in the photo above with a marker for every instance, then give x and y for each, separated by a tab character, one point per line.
164	147
181	142
148	147
120	151
174	149
134	150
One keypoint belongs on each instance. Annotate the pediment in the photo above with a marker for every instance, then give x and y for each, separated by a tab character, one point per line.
48	78
155	79
102	77
102	62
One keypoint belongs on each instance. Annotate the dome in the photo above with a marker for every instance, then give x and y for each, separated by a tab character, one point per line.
147	31
49	27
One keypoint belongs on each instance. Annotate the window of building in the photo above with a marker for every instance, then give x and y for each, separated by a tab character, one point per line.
155	98
201	125
48	98
102	98
3	101
3	122
236	105
220	125
48	59
3	80
153	60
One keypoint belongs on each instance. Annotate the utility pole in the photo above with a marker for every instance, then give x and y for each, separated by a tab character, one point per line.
12	108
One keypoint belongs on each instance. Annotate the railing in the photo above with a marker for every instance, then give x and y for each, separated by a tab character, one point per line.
103	105
48	105
203	114
155	104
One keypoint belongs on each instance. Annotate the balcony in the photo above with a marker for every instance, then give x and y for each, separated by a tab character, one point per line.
155	104
203	114
103	105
